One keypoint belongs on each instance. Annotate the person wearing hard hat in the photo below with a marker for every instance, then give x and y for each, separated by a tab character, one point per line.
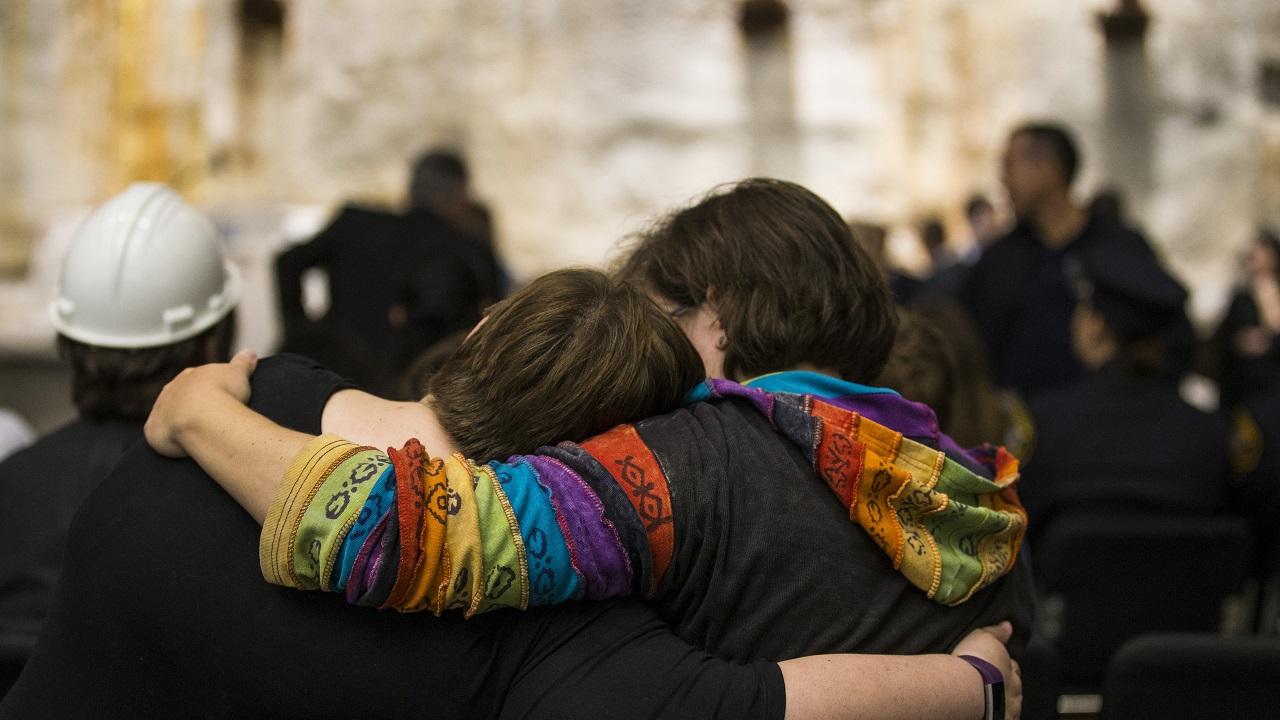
145	291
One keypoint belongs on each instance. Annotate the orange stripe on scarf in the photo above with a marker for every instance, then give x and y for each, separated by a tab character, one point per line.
634	466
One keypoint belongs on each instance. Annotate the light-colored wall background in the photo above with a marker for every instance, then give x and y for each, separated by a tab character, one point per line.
584	118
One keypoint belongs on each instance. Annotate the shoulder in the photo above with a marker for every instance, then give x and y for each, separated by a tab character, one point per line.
292	391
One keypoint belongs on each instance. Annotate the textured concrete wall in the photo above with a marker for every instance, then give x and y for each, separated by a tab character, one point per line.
583	118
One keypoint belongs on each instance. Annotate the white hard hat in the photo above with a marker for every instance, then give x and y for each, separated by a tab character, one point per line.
144	269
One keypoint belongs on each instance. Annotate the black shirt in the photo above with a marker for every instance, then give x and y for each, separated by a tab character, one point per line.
40	488
1124	441
161	612
1020	298
768	565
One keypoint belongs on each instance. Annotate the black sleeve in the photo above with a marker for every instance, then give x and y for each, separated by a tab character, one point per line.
292	390
619	660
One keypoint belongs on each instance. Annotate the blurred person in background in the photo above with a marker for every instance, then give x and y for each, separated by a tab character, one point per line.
1245	343
984	227
873	238
1121	437
1018	293
397	282
947	270
144	292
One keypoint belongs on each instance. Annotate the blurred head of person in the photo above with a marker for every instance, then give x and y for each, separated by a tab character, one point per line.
922	366
763	276
933	235
1264	255
438	177
1040	165
981	216
1107	205
872	237
1126	306
570	355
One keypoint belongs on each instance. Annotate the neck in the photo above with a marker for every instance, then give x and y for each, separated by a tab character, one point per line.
1059	220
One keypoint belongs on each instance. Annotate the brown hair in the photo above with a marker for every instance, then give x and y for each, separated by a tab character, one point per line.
570	355
790	285
123	383
921	365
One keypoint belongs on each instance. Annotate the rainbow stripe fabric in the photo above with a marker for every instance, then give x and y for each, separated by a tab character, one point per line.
594	520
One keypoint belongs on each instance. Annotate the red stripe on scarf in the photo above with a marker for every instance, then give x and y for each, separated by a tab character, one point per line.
634	466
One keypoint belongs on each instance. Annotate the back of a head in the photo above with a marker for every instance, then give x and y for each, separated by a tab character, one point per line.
568	356
437	173
144	292
779	265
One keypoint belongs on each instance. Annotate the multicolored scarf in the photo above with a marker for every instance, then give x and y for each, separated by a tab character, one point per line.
406	531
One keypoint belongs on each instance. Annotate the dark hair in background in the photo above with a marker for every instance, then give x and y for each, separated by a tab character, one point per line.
123	383
1058	141
572	354
437	171
939	359
783	272
977	204
1271	241
921	365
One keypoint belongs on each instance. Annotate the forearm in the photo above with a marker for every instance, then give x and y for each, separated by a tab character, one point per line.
244	452
889	687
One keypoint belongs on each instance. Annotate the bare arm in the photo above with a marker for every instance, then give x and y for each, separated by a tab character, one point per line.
891	687
202	413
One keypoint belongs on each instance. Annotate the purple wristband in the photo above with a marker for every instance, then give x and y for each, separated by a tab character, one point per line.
992	687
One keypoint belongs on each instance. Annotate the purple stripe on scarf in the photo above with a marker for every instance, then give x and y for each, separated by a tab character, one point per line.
912	419
358	582
597	550
763	401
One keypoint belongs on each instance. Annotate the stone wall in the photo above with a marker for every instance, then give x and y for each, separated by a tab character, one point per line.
584	118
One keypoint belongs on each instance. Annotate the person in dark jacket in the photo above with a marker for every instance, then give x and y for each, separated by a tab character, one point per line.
144	293
1247	341
1121	437
1017	292
397	282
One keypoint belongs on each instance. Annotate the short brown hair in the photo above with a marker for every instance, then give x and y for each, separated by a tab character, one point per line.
570	355
784	274
123	383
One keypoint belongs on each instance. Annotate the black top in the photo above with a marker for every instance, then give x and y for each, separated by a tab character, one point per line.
376	260
1019	296
161	612
768	565
1127	442
1241	376
40	488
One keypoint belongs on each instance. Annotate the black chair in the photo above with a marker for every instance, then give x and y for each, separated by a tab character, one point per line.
1041	680
1189	675
14	650
1111	577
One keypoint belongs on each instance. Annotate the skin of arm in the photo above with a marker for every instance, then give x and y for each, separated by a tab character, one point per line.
842	687
202	413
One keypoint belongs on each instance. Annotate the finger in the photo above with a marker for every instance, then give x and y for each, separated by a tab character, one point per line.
1002	630
245	361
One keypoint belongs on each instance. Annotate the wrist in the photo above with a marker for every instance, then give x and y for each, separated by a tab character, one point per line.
992	686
